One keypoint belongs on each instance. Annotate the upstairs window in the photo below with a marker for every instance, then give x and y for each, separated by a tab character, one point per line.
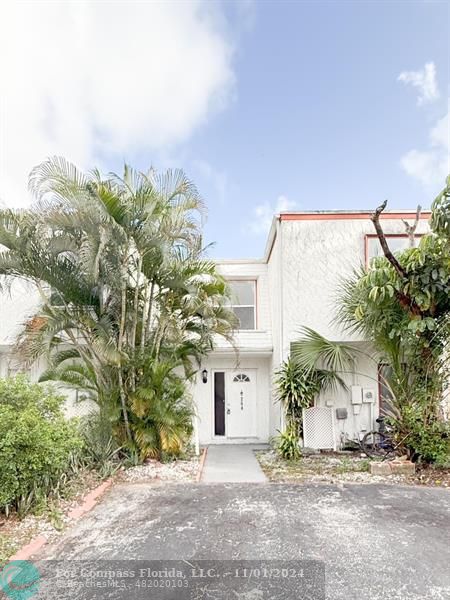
243	303
396	242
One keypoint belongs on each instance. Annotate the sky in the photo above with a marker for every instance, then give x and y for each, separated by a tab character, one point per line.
267	106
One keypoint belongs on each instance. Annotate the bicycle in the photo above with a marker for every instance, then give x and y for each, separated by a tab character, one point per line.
381	443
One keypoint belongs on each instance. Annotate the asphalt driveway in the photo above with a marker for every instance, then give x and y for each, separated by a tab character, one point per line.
375	541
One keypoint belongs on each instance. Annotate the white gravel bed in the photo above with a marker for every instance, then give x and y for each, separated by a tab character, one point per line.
175	471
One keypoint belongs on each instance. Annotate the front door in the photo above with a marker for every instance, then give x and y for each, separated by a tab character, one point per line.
240	398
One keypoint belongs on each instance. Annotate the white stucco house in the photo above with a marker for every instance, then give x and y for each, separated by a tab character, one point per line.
293	285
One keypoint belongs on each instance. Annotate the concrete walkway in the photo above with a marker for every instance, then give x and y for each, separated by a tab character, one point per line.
232	464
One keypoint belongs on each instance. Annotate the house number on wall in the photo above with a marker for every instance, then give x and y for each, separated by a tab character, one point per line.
242	400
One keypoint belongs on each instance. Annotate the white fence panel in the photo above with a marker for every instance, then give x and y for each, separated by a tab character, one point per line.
318	428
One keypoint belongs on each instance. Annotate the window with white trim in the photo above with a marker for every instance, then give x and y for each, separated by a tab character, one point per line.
396	242
243	302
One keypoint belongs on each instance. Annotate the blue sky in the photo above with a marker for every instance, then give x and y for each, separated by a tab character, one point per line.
264	104
319	115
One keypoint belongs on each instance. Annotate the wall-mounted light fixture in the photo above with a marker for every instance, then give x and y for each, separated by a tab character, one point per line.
205	376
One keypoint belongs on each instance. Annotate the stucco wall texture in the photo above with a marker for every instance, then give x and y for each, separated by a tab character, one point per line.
317	255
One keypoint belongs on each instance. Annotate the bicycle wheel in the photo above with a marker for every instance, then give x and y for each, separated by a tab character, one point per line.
376	444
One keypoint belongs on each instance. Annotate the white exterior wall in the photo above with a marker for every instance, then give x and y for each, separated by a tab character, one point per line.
274	272
260	339
360	418
253	351
316	256
16	306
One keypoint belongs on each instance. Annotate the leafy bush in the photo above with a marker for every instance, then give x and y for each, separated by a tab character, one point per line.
298	384
37	445
427	439
287	444
161	413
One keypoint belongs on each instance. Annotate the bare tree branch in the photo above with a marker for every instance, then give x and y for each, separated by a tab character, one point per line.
411	229
407	302
375	218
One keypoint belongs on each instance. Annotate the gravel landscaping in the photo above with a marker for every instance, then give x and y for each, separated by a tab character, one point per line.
344	468
177	471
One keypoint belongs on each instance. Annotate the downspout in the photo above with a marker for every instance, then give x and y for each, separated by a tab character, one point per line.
280	268
281	332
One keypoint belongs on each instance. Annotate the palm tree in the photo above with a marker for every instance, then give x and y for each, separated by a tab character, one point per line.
315	365
120	269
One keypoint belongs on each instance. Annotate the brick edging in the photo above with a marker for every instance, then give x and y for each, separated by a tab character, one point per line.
89	501
29	549
201	466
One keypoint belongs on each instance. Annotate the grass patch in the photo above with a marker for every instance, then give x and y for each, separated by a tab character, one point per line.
316	467
335	467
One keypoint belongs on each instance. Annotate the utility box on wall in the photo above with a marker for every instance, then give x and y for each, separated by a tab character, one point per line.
368	395
341	413
356	394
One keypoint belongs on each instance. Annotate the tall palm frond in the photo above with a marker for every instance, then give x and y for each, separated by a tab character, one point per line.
312	350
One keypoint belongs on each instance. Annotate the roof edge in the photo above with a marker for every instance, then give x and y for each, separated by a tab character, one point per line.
321	215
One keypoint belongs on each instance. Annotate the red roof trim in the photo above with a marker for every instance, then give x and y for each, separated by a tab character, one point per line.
349	216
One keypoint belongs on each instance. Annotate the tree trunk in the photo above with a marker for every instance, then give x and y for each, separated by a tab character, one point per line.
123	402
123	312
136	304
406	301
135	322
150	312
411	229
375	218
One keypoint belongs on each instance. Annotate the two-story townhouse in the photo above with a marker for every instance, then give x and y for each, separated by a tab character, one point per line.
294	285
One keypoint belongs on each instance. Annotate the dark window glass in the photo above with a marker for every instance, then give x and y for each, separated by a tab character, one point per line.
219	403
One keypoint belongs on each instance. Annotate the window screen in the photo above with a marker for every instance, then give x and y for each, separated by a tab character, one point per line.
243	299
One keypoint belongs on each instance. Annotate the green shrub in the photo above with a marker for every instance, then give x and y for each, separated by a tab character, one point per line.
161	413
287	444
37	445
428	439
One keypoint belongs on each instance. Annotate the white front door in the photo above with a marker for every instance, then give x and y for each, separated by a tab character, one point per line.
240	399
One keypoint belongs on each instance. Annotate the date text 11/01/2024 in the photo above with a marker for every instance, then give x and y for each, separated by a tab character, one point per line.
246	573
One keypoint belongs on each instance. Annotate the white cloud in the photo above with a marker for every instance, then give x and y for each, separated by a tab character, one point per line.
431	166
425	81
91	79
263	213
